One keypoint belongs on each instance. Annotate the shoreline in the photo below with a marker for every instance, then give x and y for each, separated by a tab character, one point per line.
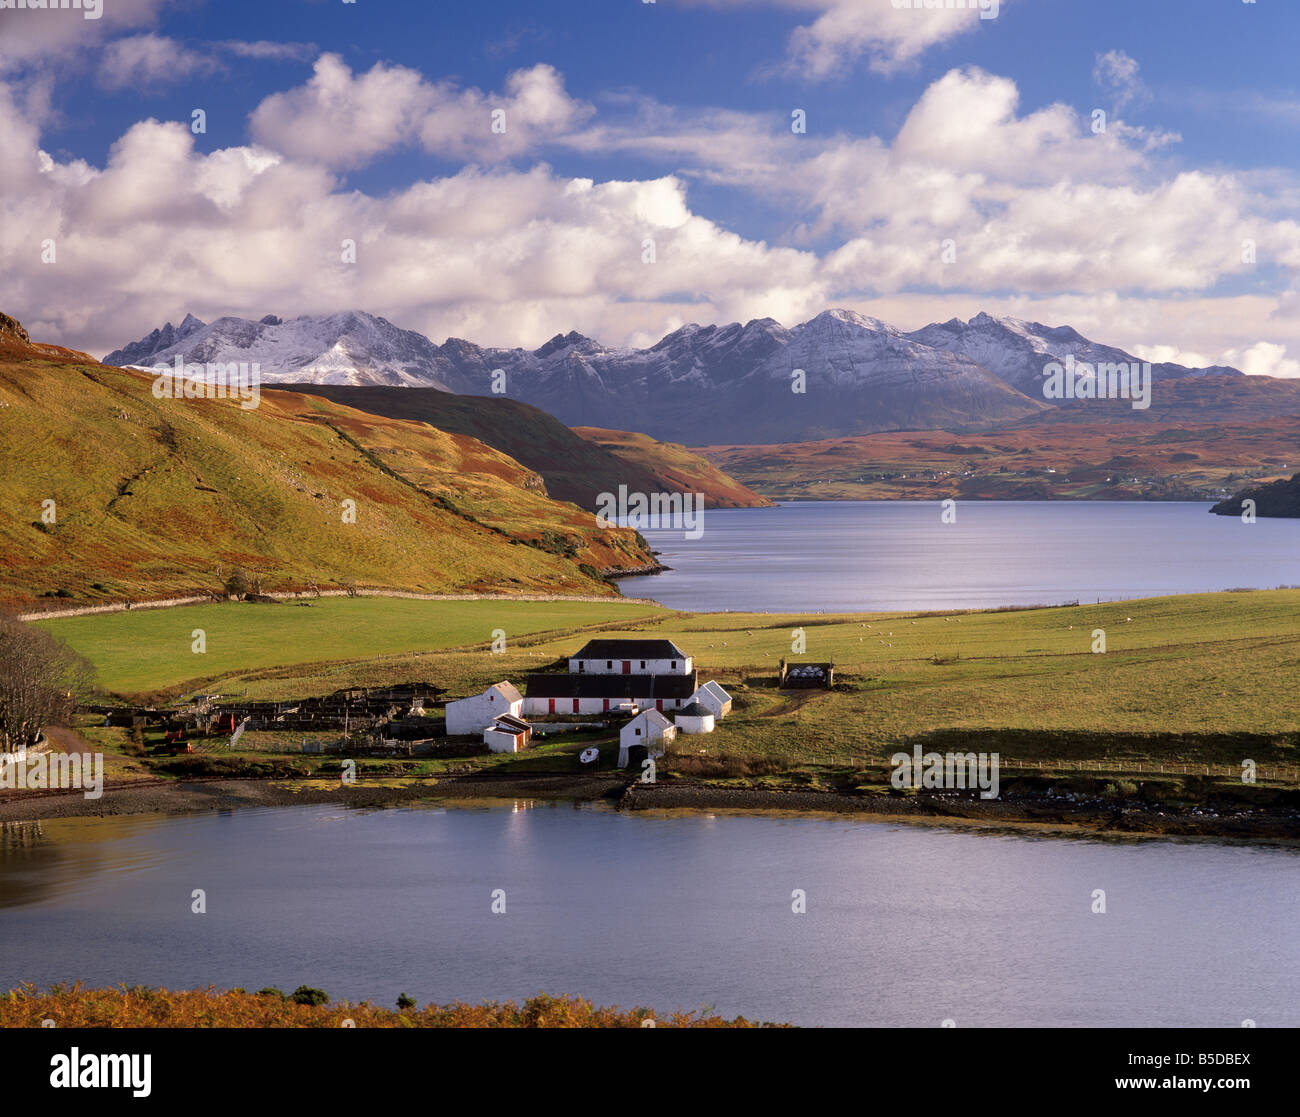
1122	818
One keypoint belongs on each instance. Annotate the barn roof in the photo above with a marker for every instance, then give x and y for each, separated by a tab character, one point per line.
611	686
630	649
507	690
715	690
651	717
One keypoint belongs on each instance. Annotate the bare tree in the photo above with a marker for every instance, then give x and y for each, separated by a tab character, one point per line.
40	680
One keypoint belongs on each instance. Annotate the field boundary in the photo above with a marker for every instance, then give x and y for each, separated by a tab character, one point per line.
176	602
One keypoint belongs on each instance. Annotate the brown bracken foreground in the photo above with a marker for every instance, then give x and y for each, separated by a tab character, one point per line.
138	1007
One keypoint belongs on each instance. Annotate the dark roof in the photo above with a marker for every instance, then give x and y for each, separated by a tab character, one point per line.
694	710
630	649
508	721
611	686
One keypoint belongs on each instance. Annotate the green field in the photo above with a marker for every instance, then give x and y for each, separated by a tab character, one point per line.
1196	678
150	650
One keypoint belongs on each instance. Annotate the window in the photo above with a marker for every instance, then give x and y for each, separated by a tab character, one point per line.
643	665
609	665
672	663
638	733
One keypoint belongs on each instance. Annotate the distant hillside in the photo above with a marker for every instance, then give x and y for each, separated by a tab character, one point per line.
153	497
678	469
575	466
1107	459
1281	498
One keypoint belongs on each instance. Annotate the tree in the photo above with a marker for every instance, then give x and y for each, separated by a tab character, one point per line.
40	679
237	584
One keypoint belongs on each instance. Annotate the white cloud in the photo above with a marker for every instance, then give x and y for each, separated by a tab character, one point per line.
144	61
890	38
1116	75
341	119
44	33
1050	223
264	49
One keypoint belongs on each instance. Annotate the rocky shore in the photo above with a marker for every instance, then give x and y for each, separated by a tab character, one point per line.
1279	821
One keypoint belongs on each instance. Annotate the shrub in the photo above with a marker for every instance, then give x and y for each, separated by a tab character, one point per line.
306	995
404	1002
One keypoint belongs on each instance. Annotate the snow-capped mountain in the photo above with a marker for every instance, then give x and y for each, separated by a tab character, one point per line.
700	384
347	348
1016	351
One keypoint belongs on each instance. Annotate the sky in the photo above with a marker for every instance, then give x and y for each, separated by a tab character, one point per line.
506	170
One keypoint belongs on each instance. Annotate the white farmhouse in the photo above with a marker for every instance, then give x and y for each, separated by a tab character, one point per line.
713	697
694	719
650	729
630	657
475	713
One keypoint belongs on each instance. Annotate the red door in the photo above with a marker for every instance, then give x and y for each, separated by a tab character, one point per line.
627	667
575	705
606	706
659	705
552	710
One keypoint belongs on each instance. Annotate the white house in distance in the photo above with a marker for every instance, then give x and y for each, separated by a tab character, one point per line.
713	698
630	657
694	718
507	734
475	713
650	729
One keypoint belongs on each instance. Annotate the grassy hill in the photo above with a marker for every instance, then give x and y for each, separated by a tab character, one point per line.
574	467
154	497
677	468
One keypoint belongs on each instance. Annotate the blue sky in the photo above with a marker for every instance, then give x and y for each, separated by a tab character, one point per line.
667	122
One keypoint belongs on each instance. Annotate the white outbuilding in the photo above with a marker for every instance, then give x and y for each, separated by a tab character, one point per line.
507	734
649	729
475	713
713	697
695	718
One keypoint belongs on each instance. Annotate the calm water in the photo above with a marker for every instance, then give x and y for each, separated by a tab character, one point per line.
878	555
905	925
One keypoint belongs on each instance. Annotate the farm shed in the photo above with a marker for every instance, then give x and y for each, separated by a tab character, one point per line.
694	719
712	697
507	734
650	730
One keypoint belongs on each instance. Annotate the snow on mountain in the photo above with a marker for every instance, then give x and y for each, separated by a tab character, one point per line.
699	384
351	347
1016	351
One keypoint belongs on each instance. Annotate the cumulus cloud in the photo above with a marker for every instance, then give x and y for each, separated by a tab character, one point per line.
889	37
341	119
1049	222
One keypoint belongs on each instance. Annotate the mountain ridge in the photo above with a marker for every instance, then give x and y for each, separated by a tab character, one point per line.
698	385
